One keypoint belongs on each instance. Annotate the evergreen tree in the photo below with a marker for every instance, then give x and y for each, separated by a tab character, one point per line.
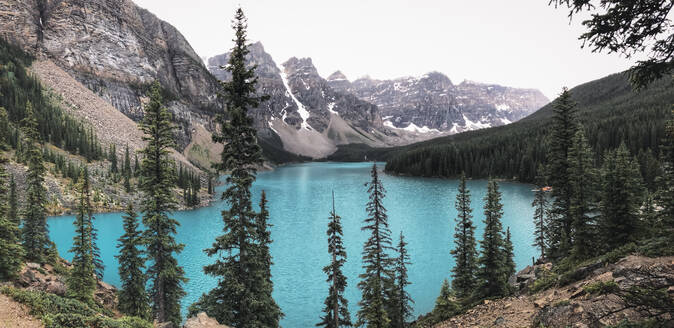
401	299
112	157
665	194
540	205
269	312
127	170
465	252
621	198
336	305
13	212
582	181
136	165
34	234
445	305
158	180
5	132
492	271
563	130
133	299
378	276
81	282
242	297
509	251
11	252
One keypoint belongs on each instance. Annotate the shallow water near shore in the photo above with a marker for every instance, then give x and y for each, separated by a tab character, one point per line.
300	202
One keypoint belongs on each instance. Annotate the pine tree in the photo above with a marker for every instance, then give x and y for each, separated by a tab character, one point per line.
563	130
665	194
136	165
540	205
621	198
133	299
5	132
81	282
401	299
465	252
269	312
127	170
445	305
336	305
378	276
11	252
242	297
158	180
582	181
492	271
34	234
112	154
13	212
509	251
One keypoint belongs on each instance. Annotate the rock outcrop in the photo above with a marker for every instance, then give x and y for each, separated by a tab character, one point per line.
116	49
201	320
572	305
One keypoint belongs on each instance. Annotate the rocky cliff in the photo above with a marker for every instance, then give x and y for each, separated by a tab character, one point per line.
116	49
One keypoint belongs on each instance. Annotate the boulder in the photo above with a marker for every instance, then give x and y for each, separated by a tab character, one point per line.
202	320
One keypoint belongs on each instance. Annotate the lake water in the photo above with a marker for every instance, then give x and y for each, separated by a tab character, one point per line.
300	203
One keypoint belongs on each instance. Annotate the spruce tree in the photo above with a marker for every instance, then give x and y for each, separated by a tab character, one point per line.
445	305
540	205
113	159
401	299
133	299
5	132
11	252
13	211
378	276
127	170
336	311
158	180
81	282
465	252
269	313
509	252
621	199
492	271
563	130
665	194
34	234
582	181
243	295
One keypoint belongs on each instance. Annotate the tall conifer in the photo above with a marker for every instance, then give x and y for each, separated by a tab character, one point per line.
243	296
133	299
34	234
465	252
583	184
540	205
621	198
158	180
378	276
11	252
665	194
492	271
336	311
400	298
509	252
81	282
563	129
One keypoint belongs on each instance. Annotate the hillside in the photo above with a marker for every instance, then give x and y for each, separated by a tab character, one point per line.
608	108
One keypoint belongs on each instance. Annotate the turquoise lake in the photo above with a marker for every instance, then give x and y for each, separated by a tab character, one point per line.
300	203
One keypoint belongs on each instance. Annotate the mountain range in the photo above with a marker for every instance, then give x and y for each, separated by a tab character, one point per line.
116	49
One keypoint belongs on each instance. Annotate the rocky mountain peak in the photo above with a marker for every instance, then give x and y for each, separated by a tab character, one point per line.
301	66
337	76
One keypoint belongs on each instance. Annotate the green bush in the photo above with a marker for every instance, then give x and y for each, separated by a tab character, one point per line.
544	279
61	312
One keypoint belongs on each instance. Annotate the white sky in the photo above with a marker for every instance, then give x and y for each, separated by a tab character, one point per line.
519	43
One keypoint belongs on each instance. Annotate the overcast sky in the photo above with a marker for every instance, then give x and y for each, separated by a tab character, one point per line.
519	43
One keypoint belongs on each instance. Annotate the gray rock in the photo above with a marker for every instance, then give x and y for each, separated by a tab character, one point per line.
202	321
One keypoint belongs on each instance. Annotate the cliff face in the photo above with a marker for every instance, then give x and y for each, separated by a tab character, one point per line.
116	49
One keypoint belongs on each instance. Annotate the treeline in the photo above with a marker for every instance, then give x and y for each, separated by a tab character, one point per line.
19	91
610	112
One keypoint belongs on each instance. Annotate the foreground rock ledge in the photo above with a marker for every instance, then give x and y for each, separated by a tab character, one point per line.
203	321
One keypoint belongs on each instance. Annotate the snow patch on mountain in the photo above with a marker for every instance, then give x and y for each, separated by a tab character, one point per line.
304	113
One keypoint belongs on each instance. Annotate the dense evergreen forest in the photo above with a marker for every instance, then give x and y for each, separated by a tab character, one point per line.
609	110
